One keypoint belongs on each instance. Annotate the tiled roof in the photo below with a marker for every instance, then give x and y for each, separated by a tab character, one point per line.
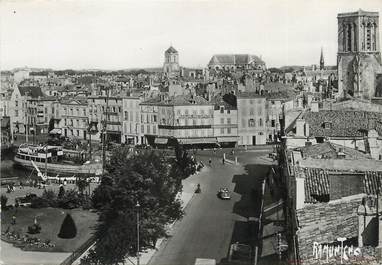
317	183
342	123
235	59
371	182
219	101
330	150
32	91
249	95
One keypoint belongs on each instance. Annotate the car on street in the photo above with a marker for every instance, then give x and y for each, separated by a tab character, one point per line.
224	194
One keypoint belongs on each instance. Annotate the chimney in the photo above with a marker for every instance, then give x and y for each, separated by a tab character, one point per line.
314	106
307	129
300	127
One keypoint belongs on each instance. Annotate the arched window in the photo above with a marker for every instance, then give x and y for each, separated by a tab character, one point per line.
251	123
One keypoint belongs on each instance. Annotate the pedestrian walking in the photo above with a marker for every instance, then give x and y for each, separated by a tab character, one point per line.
13	220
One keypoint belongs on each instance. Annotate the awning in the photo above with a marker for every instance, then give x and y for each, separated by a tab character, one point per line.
160	140
228	139
56	131
212	140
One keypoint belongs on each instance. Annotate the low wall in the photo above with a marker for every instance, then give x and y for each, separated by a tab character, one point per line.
325	222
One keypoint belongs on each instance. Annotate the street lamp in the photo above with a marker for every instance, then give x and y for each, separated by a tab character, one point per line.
137	206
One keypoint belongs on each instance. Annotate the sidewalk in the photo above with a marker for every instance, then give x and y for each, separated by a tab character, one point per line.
189	186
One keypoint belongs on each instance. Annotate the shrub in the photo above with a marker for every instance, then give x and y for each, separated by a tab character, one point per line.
70	200
4	201
68	228
40	202
34	229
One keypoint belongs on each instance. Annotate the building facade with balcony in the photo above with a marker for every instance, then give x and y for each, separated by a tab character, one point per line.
186	118
74	118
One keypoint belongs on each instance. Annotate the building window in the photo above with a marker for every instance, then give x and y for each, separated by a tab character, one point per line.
193	122
228	120
78	132
154	130
251	123
273	123
228	130
261	122
228	111
155	118
16	113
251	111
126	116
142	129
222	109
221	120
222	130
327	125
16	103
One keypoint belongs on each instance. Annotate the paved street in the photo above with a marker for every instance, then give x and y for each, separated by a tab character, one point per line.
210	225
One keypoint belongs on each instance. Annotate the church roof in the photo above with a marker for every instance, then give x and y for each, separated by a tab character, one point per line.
171	50
235	59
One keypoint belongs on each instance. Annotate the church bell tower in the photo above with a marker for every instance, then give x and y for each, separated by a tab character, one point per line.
358	57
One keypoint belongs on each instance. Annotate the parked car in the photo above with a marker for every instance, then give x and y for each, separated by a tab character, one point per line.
224	194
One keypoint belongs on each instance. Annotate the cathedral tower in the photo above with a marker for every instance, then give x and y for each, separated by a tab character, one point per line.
358	57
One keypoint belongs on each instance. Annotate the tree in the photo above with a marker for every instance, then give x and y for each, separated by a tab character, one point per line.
185	164
68	228
146	177
4	201
82	183
61	192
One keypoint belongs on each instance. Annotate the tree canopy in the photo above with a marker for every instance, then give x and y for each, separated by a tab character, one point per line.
147	177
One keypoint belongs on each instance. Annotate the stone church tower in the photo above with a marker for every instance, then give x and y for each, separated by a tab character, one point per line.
171	63
358	57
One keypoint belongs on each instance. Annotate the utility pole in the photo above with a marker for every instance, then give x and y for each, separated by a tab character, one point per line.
137	207
260	217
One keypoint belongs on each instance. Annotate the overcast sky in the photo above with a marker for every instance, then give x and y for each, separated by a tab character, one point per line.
111	34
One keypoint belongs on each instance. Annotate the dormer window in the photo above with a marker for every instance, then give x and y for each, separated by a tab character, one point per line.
327	125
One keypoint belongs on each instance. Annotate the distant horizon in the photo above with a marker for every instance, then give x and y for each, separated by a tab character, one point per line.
116	34
39	69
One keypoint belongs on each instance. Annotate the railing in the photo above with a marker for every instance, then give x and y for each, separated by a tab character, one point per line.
79	251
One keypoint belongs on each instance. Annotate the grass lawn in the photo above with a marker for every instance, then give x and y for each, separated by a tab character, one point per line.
50	220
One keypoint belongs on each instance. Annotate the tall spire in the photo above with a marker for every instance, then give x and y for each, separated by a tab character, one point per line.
322	63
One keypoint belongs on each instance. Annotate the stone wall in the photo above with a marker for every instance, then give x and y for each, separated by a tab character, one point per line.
325	222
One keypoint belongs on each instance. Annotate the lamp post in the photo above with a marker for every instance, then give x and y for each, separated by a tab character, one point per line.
137	206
